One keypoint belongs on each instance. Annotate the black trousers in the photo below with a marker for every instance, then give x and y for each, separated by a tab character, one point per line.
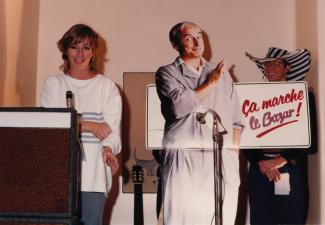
268	208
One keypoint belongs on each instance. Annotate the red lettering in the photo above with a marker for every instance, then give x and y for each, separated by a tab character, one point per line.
293	96
249	107
300	95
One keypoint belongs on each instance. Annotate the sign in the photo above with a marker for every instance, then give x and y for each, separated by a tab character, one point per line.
276	115
154	119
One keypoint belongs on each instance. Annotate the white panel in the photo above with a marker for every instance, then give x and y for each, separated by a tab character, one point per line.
284	125
35	119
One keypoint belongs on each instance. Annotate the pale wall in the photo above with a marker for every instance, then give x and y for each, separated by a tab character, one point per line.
137	31
3	51
308	34
18	57
318	195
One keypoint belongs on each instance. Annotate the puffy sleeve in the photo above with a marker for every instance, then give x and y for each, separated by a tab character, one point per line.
112	111
50	93
237	117
177	100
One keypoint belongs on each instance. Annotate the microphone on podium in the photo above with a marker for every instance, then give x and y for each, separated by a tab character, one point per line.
70	105
69	99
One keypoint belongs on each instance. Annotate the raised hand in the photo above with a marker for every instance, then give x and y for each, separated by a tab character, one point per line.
217	72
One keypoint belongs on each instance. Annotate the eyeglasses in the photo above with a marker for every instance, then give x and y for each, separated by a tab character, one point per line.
273	63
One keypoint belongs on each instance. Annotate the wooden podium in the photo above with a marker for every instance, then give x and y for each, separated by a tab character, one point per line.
39	166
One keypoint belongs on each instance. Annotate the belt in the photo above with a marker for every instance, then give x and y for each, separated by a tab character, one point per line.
270	155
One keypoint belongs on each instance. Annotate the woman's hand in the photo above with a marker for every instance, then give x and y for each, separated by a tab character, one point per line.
110	159
100	130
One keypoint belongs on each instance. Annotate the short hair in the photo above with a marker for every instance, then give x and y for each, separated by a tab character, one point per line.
174	33
76	34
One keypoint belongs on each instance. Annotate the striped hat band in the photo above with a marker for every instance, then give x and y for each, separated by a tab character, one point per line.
298	61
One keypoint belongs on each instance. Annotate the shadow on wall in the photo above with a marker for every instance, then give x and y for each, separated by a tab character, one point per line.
208	55
26	72
307	37
207	47
114	192
101	55
112	196
3	50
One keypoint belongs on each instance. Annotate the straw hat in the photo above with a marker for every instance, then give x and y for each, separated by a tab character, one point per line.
298	61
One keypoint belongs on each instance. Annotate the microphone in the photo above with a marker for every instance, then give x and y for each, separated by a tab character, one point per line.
200	117
217	141
70	105
69	99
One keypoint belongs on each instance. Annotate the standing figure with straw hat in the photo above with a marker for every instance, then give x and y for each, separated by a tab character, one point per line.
268	167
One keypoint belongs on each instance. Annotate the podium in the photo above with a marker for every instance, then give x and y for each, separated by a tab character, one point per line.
39	166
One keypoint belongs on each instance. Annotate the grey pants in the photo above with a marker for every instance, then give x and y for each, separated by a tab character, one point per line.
92	207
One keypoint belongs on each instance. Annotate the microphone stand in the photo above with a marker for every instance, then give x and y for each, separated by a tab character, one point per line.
217	161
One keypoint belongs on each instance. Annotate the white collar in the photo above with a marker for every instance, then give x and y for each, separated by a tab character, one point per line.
179	61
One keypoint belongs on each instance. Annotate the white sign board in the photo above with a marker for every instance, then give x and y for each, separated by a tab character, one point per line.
35	119
276	115
154	120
